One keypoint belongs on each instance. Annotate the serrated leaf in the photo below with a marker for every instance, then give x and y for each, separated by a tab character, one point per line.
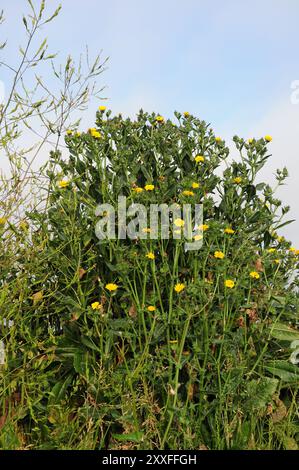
260	392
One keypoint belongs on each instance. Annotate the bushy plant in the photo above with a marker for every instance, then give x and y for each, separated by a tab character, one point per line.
140	343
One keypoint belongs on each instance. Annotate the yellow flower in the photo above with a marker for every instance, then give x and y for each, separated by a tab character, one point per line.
69	132
280	239
151	308
78	134
203	227
102	108
3	220
24	225
150	255
138	190
237	180
250	141
218	139
229	230
197	237
195	185
186	114
179	223
199	158
146	230
96	306
149	187
111	287
94	133
63	183
277	261
292	249
160	118
271	250
219	254
179	287
188	193
268	138
229	283
254	275
37	297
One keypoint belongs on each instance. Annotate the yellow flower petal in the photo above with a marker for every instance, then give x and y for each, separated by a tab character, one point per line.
149	187
188	193
111	287
63	183
138	190
179	287
96	306
151	308
254	275
229	283
179	223
229	230
237	180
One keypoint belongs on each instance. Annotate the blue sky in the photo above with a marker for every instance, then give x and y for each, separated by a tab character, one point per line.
229	62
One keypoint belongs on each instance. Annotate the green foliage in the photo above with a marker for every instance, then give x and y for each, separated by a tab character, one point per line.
209	366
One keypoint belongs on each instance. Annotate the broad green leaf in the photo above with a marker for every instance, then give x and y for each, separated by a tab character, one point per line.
261	392
90	344
59	390
284	332
284	370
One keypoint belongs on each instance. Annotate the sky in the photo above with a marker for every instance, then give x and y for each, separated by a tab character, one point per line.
230	63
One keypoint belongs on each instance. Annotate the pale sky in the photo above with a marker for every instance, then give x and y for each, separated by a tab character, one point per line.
229	62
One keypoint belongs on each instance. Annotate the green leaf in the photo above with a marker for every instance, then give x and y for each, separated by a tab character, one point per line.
134	436
59	390
284	370
56	12
25	23
260	392
81	362
284	224
90	344
284	332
